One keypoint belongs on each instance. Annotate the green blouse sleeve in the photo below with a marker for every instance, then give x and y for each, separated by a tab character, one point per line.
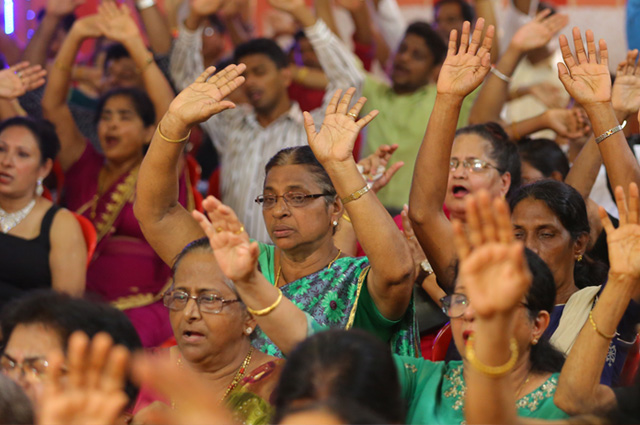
266	261
369	318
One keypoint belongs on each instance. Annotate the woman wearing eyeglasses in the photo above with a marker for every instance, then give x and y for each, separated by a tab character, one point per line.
454	164
305	195
212	329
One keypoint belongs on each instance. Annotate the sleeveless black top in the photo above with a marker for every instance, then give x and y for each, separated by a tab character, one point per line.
24	263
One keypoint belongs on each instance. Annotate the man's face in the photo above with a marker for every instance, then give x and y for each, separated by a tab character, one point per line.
412	65
449	17
265	84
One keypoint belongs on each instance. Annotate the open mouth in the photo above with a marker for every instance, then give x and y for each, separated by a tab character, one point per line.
192	336
460	191
5	178
466	335
111	141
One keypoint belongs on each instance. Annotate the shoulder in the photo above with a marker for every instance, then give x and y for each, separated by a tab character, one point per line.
65	227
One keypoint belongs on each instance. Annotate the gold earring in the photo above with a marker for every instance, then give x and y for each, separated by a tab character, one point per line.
579	257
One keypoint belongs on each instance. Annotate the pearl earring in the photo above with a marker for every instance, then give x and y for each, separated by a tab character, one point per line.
535	341
248	330
39	188
335	223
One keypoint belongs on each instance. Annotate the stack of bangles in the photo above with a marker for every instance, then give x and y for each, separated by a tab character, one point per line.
491	371
267	310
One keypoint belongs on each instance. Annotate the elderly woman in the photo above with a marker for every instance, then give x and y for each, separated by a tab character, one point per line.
41	244
305	194
212	329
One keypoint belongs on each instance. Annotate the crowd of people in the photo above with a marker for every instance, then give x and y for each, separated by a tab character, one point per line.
199	225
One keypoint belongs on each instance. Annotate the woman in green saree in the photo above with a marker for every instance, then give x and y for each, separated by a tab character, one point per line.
305	195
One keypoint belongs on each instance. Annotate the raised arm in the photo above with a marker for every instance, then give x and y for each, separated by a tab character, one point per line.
495	90
166	225
390	281
38	47
118	24
461	73
579	390
568	123
19	79
54	101
587	80
156	25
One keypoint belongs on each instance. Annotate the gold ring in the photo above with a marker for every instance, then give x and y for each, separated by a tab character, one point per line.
352	115
218	229
410	237
239	231
19	74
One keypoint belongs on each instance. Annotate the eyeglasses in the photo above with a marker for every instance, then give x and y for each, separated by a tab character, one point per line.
473	165
292	199
34	367
454	305
207	303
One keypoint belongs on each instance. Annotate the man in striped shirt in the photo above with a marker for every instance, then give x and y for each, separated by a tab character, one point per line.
248	136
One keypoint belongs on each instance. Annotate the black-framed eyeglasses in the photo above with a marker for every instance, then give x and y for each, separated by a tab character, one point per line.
34	367
177	300
454	305
474	165
292	199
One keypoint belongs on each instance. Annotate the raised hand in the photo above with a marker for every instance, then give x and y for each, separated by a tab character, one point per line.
288	5
550	95
236	255
538	32
587	80
88	26
19	79
463	71
204	98
569	123
625	94
62	8
116	22
334	142
491	261
374	167
92	392
624	242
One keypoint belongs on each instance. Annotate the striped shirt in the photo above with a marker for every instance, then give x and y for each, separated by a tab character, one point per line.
244	145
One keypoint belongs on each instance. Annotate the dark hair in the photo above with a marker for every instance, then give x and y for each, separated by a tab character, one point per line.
15	406
43	131
261	46
468	12
567	204
544	155
141	103
348	411
113	52
342	365
503	151
65	315
542	297
303	155
431	38
217	23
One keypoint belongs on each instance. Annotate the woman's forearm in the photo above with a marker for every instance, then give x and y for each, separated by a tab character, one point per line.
59	78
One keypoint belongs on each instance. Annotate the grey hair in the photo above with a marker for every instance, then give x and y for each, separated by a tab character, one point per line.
15	406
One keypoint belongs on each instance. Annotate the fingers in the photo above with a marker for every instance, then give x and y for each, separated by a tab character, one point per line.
540	17
604	53
77	353
362	122
331	107
386	176
98	351
567	56
503	220
473	221
453	43
485	49
206	74
489	230
621	202
634	204
605	220
355	110
19	67
556	22
476	37
115	371
464	38
463	247
579	46
54	372
309	127
344	103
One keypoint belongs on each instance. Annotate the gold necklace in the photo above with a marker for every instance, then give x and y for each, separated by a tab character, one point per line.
523	385
280	268
236	379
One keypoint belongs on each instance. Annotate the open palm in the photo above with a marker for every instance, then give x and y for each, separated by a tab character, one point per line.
204	97
236	255
19	79
116	22
463	71
585	79
625	94
335	140
538	32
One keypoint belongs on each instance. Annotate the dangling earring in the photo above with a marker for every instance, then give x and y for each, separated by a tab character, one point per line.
579	257
335	223
39	188
249	330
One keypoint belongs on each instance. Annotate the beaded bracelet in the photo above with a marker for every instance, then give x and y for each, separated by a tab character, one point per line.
267	310
595	328
491	371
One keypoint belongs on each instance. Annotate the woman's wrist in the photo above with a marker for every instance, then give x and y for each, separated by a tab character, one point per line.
173	127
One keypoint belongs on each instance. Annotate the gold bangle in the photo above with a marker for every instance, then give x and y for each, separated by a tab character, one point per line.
595	328
269	309
62	67
355	195
166	139
491	371
345	217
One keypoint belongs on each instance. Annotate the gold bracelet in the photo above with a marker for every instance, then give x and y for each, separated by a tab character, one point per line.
491	371
166	139
355	195
345	217
62	67
595	328
267	310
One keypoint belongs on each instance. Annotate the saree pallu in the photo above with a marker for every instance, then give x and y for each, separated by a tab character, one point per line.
331	297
